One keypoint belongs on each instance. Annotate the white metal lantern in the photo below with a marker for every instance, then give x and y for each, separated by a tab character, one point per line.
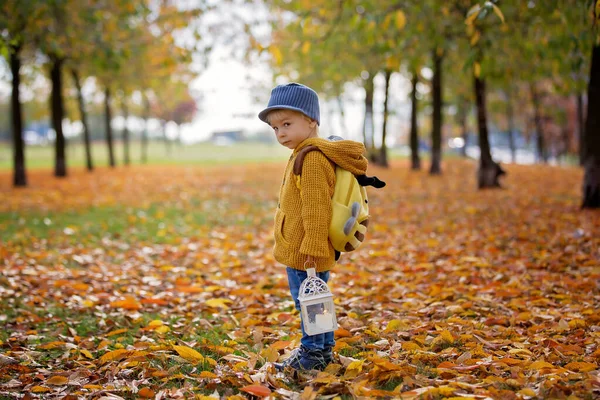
316	305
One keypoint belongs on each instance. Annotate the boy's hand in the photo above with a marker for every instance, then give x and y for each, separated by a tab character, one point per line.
310	259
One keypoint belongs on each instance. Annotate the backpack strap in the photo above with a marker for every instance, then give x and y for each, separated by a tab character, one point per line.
300	158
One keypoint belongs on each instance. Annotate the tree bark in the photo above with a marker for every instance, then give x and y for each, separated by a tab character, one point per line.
511	126
436	133
539	127
581	126
382	159
462	120
125	132
19	172
489	173
145	132
57	111
369	126
414	134
83	114
107	121
591	179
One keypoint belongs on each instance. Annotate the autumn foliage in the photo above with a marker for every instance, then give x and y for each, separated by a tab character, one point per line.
158	282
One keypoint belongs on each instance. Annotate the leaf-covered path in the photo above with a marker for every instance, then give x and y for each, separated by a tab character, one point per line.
159	282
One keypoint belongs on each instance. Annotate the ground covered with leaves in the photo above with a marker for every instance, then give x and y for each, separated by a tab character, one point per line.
158	282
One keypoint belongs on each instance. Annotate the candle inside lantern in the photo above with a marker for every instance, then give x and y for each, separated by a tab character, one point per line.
324	321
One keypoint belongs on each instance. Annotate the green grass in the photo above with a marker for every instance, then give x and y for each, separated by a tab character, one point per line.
37	157
196	154
94	223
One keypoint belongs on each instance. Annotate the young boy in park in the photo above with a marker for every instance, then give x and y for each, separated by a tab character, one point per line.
304	210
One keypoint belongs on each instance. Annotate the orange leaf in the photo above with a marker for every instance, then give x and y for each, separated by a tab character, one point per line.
579	366
146	393
257	390
115	355
280	345
341	332
58	380
129	303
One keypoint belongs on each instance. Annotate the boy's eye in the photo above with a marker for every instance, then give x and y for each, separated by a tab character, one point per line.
286	124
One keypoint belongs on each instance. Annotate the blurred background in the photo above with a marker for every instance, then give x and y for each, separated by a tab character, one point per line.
154	81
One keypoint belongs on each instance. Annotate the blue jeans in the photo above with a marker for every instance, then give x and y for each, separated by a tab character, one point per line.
322	341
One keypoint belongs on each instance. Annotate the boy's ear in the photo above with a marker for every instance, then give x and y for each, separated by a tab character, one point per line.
312	123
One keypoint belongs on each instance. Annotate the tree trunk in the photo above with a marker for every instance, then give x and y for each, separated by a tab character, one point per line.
145	132
436	133
19	173
368	126
107	121
86	131
581	126
488	175
591	179
541	146
462	121
342	115
57	111
382	160
414	134
511	126
125	132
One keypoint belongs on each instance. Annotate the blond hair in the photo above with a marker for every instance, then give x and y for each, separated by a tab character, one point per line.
281	112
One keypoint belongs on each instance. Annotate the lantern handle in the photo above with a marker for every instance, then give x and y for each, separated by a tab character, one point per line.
311	271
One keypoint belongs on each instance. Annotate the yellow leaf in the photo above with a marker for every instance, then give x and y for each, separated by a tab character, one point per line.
189	354
498	12
540	365
472	14
117	332
475	38
218	303
447	336
394	325
477	70
86	353
162	329
207	374
400	19
58	380
40	389
577	323
410	346
155	323
51	345
93	387
276	53
115	355
305	47
578	366
527	392
353	369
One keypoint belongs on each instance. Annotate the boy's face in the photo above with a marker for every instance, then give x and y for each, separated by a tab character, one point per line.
291	128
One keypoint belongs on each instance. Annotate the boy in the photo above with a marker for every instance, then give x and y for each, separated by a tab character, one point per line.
304	211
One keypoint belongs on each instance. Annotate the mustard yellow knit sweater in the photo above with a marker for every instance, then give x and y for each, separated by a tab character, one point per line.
304	210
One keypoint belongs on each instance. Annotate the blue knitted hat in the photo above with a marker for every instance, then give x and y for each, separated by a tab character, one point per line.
293	96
